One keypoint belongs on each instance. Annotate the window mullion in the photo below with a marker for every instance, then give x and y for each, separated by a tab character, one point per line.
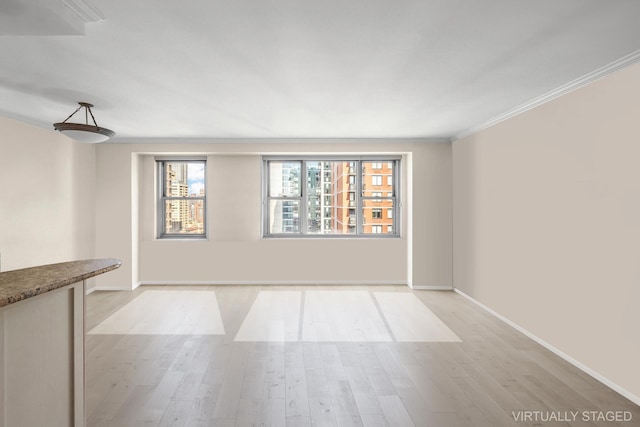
303	198
359	202
161	208
266	201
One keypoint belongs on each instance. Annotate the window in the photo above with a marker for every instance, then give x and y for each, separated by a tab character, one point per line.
182	201
329	197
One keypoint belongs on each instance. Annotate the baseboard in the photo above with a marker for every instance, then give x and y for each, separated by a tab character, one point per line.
269	283
431	287
109	288
604	380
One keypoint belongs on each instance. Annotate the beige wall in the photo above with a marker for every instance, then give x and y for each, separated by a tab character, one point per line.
235	251
547	223
46	197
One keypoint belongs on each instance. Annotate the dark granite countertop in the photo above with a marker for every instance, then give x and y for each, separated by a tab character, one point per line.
17	285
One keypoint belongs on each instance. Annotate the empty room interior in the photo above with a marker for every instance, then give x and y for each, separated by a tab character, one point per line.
408	213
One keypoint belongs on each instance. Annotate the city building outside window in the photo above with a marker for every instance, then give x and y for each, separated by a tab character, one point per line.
182	198
330	197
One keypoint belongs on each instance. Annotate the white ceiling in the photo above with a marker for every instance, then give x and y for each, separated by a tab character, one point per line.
308	68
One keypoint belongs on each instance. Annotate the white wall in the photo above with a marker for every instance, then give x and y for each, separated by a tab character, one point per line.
235	251
46	197
547	224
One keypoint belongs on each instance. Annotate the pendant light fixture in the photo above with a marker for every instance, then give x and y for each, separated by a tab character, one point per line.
84	132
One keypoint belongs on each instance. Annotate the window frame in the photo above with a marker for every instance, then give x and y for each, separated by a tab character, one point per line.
395	160
161	199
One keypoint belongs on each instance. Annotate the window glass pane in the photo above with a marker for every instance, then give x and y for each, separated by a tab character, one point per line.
315	214
317	178
284	216
184	179
184	216
373	221
331	197
377	178
284	179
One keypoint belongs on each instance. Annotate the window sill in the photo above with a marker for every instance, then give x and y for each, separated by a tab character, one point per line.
331	236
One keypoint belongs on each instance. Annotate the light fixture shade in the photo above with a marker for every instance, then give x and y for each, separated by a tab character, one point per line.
84	132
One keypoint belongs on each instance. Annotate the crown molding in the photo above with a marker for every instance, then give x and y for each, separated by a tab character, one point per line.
610	68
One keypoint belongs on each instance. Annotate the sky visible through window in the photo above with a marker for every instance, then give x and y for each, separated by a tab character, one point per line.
195	177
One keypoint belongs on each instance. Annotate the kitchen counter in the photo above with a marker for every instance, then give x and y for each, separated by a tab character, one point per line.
42	335
17	285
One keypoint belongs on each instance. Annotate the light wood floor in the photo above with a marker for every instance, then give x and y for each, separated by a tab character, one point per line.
212	380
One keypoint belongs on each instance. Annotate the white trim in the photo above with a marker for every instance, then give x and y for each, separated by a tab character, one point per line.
588	78
272	282
109	288
431	287
615	387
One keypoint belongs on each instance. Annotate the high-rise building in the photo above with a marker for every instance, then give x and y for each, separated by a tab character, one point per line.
320	197
377	182
179	218
284	181
344	195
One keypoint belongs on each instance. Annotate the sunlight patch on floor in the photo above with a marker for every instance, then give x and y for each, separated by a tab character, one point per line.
284	316
412	321
338	316
158	312
342	316
274	317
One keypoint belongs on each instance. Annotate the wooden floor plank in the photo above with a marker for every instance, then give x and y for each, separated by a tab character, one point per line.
212	380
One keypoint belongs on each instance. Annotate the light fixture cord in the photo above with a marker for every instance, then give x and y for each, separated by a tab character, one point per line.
86	118
71	115
94	119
